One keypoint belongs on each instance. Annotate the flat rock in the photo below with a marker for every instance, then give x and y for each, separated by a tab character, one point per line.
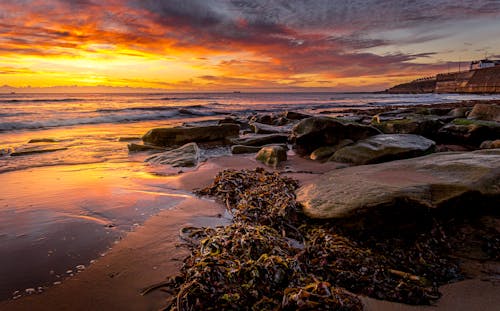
272	155
185	156
29	151
182	135
312	133
261	140
434	181
487	112
384	147
133	147
128	138
42	140
261	128
292	115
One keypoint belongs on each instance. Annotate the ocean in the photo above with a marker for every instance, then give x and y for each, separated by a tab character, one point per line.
60	210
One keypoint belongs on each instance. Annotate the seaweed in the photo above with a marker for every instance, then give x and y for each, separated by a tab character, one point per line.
272	257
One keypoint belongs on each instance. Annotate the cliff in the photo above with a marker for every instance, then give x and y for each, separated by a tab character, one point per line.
475	81
414	87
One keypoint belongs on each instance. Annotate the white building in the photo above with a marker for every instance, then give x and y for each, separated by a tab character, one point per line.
484	63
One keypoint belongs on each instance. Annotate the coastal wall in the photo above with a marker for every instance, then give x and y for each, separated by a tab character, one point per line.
485	80
452	82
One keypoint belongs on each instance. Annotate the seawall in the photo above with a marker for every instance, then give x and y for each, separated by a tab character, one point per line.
485	80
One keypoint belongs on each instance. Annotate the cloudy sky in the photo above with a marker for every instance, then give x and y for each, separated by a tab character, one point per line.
265	45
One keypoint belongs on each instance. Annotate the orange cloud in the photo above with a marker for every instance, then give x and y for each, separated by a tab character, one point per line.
209	44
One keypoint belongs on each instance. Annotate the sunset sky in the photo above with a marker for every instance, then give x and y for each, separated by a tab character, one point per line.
217	45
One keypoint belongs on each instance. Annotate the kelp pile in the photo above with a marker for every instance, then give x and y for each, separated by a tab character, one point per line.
273	258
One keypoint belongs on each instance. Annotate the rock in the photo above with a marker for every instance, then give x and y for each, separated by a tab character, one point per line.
272	155
312	133
469	132
384	147
441	180
133	147
459	112
490	144
29	151
5	151
424	125
260	140
185	156
487	112
42	140
292	115
128	138
241	149
260	128
263	119
181	135
327	151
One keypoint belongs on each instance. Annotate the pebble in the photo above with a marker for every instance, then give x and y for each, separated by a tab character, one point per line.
69	271
57	283
80	267
30	291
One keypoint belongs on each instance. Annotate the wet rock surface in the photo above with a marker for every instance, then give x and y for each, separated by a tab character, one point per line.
272	155
261	140
315	132
488	112
182	135
384	147
185	156
433	181
469	132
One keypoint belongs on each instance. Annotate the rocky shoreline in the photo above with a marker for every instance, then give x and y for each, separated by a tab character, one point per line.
391	203
412	187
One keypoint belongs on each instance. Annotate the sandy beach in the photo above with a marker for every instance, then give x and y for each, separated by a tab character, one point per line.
153	252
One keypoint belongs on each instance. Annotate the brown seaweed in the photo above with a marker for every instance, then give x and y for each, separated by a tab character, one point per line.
274	258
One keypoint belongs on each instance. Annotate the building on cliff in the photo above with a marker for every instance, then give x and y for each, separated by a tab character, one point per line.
484	63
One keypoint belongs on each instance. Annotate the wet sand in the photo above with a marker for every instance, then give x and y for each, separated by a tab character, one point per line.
152	253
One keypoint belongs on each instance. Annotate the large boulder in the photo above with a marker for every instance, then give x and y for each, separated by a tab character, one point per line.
272	155
181	135
441	180
185	156
312	133
488	112
469	132
261	140
384	147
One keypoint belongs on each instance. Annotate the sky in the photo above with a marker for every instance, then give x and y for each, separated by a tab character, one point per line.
227	45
